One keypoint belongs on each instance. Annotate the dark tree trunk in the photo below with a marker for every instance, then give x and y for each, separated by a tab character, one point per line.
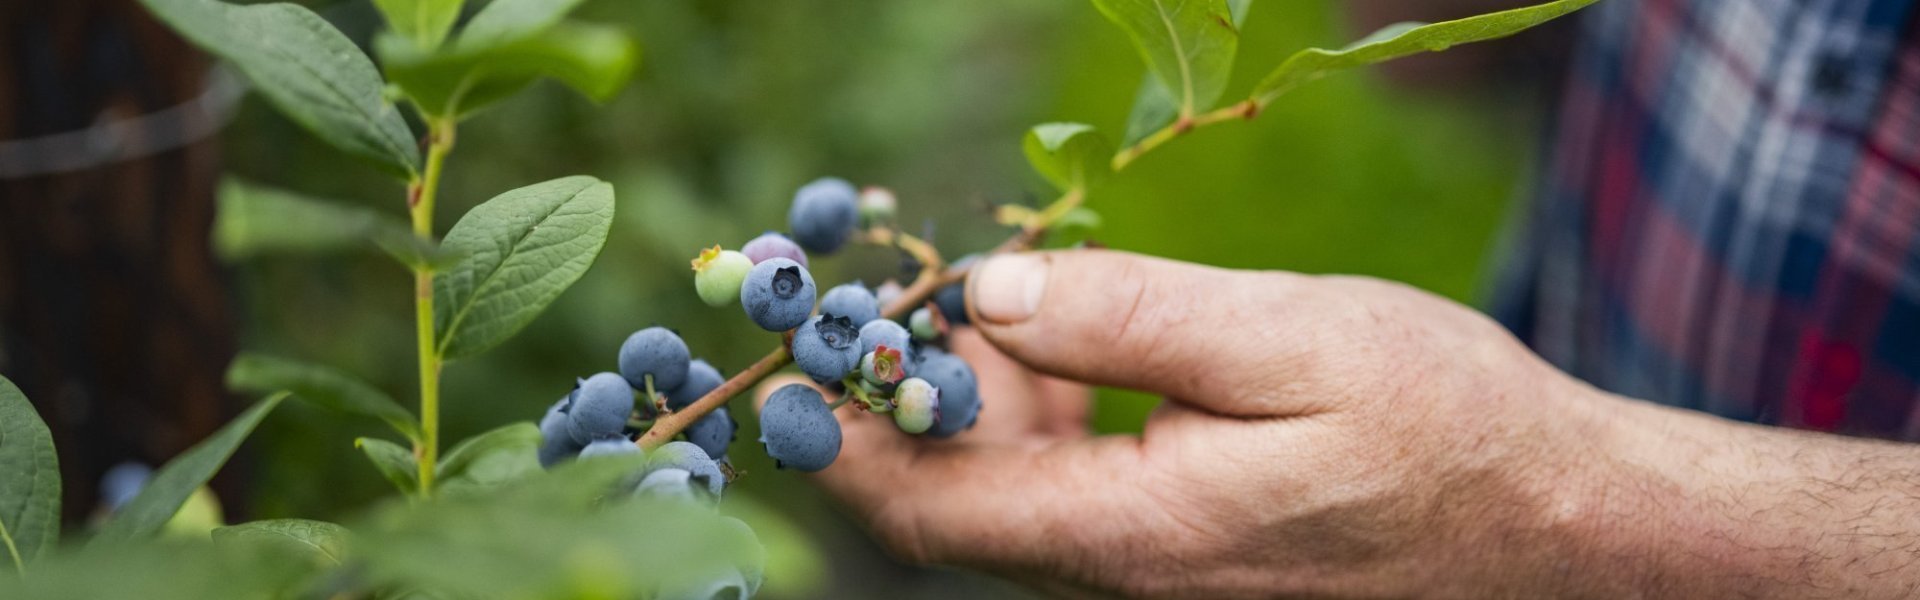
114	315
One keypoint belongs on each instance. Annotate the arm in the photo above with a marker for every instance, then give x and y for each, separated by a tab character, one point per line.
1341	436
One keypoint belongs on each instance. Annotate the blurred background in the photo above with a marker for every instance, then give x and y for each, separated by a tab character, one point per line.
119	318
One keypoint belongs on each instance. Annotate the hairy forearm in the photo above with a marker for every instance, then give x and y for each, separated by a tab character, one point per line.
1688	505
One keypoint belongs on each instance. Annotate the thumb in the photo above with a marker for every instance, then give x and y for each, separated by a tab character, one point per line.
1220	339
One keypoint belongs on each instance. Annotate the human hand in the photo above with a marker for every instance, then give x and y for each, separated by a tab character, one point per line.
1321	436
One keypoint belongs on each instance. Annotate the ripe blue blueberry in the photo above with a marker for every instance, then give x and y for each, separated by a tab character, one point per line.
598	407
701	379
556	442
612	445
778	294
654	351
712	432
887	291
851	300
884	332
798	429
823	214
122	483
826	347
952	299
669	484
959	393
690	458
772	245
746	547
916	405
722	584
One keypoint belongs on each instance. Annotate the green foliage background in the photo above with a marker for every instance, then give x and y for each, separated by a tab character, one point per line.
737	102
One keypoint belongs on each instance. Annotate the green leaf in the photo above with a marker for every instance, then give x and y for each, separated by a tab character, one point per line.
1154	104
256	220
425	22
1188	46
506	21
394	461
321	385
455	81
523	248
319	542
1402	39
499	456
171	486
307	69
30	470
1070	155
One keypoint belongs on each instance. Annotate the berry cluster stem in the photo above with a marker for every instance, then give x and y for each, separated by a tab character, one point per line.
934	274
420	198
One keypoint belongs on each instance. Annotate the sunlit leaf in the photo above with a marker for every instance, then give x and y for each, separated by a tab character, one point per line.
523	248
1402	39
1070	155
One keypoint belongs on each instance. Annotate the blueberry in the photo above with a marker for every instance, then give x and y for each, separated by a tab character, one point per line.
556	442
599	406
122	483
702	378
771	245
890	334
826	347
688	457
717	275
654	351
887	292
748	550
723	584
778	294
823	214
883	366
853	301
668	484
959	393
952	299
927	323
916	405
877	205
712	432
798	429
613	445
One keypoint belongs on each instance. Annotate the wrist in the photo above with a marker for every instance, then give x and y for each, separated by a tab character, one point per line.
1681	504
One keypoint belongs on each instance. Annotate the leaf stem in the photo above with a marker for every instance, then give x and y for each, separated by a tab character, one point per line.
420	199
1238	111
19	566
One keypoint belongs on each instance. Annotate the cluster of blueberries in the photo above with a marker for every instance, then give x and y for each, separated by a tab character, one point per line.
846	347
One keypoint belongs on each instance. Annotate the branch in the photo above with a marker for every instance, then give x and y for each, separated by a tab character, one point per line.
1244	110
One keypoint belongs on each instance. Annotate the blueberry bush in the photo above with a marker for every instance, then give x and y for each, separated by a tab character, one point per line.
615	490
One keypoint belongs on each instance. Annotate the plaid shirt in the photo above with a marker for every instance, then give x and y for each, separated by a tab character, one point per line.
1729	216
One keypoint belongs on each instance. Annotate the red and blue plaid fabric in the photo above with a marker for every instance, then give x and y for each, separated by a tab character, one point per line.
1729	215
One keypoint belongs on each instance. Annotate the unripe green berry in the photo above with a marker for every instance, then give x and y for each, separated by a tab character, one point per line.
926	323
717	275
877	206
916	405
882	366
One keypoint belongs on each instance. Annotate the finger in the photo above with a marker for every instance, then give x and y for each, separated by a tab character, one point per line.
1227	340
938	501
